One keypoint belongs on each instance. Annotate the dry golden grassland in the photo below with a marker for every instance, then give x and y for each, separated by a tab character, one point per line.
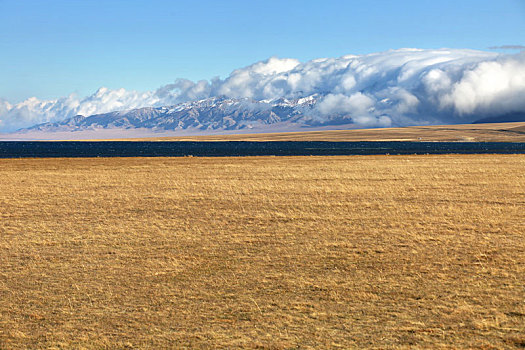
265	252
493	132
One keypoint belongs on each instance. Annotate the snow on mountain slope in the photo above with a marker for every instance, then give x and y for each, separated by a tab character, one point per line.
217	113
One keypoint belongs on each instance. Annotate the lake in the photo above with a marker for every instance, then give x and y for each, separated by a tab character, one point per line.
44	149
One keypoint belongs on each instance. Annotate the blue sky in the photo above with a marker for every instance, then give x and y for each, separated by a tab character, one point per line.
52	48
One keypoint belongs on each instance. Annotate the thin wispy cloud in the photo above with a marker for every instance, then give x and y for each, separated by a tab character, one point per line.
508	47
397	87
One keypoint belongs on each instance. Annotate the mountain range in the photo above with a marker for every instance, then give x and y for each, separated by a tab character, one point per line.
219	114
211	114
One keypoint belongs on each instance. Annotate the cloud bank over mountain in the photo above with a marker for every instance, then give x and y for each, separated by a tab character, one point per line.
396	87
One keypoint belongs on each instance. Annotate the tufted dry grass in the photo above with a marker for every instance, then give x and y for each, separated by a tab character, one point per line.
266	252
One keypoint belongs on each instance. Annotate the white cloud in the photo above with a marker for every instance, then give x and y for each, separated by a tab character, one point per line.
355	105
396	87
490	87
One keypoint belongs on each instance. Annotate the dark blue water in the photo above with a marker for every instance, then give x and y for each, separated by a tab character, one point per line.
20	149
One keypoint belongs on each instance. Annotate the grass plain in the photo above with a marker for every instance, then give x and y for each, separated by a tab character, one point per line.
491	132
265	252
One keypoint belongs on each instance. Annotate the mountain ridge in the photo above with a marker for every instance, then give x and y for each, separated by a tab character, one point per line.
222	114
211	114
